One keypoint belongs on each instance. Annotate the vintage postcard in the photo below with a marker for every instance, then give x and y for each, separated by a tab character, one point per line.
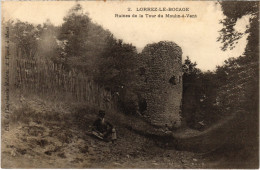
130	84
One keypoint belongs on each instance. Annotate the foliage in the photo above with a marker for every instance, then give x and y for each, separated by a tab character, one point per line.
48	47
115	71
26	36
79	46
82	46
33	41
211	96
199	95
233	11
83	41
116	64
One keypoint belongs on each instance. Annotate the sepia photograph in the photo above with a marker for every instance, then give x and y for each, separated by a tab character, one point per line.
130	84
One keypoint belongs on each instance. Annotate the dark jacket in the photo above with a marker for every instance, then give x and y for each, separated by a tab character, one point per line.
102	127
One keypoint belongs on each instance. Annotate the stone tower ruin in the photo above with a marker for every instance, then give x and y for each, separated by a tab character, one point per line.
160	76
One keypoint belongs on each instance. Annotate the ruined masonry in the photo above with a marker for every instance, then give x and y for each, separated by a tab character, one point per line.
161	83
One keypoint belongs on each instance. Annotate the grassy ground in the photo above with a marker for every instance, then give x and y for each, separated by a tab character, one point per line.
45	134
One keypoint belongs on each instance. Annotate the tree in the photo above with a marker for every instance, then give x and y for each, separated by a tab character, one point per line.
191	95
116	65
250	59
190	73
233	11
48	47
82	41
26	37
73	34
75	30
199	95
247	98
116	71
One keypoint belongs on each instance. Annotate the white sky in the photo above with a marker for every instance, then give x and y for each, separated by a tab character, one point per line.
197	36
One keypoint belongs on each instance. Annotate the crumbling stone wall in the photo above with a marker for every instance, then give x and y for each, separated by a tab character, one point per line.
160	83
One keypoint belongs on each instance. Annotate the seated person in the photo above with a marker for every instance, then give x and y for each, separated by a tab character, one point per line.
103	129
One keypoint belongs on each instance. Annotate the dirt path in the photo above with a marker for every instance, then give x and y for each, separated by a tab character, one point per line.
47	135
61	145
